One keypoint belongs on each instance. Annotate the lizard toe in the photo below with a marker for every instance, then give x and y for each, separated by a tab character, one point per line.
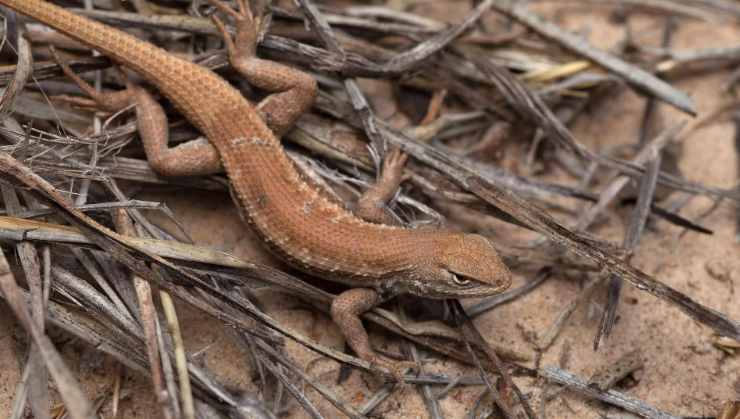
396	367
393	165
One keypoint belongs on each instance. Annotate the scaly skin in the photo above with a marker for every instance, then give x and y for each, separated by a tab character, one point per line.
295	218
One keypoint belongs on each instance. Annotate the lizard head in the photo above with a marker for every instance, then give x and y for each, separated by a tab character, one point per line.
467	265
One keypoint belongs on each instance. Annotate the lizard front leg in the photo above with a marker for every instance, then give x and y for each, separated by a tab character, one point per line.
372	204
193	158
345	311
295	91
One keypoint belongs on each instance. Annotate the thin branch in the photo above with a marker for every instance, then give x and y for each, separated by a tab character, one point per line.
610	396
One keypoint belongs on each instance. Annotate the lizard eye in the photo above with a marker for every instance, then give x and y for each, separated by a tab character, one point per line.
461	280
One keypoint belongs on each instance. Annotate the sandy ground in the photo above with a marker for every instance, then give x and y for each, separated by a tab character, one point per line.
683	374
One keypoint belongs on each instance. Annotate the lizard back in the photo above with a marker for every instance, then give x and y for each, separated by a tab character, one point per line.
294	218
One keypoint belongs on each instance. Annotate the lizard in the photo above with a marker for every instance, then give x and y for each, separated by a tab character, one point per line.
293	216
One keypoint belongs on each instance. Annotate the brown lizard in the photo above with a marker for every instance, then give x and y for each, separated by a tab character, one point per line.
296	219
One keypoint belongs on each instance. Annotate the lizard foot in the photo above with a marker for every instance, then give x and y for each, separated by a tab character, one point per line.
103	104
395	367
244	44
393	167
372	204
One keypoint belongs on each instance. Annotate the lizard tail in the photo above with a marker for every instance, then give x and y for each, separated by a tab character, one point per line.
176	78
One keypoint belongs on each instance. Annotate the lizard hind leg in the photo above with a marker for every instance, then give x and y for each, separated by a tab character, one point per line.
193	158
294	90
345	311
